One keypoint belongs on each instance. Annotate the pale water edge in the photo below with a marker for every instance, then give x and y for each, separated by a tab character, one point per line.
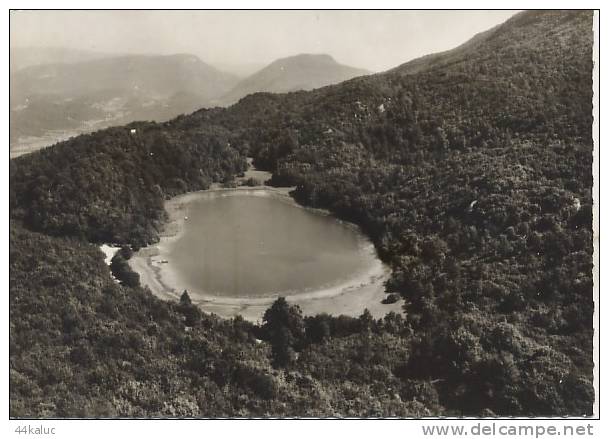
348	296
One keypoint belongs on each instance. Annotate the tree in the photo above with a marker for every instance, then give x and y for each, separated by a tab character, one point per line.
126	252
282	349
185	298
122	271
318	327
283	315
131	279
284	327
434	249
192	313
366	321
118	265
393	323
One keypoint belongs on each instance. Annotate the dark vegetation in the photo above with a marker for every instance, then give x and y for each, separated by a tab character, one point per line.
121	270
471	171
109	186
251	182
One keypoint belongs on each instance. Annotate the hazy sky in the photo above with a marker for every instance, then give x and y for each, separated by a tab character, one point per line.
375	40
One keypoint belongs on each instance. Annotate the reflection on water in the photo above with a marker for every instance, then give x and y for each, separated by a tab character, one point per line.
252	244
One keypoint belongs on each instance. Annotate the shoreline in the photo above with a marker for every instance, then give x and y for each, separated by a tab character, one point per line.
348	296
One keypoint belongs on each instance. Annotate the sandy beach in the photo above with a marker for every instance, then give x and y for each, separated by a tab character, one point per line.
109	252
349	297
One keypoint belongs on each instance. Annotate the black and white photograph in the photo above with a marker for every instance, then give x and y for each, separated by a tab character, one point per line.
303	214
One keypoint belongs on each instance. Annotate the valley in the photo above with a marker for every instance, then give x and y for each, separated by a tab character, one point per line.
468	171
85	92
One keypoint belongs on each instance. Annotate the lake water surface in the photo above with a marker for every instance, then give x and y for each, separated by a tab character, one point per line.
253	243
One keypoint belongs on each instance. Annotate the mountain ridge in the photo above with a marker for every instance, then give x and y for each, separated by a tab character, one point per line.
20	57
294	73
473	178
96	93
126	68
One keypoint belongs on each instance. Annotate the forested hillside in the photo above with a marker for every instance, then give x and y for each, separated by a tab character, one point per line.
471	170
109	186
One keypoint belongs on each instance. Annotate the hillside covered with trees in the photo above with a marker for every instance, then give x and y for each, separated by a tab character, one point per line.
471	170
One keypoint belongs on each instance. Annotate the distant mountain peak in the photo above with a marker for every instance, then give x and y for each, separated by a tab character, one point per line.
310	57
305	71
75	90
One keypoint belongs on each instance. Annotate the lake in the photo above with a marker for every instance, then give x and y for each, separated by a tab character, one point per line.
254	243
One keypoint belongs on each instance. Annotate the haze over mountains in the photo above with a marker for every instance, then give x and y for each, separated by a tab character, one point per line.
21	57
84	91
86	95
470	170
300	72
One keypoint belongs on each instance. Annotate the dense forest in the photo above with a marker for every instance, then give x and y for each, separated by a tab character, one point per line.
471	170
